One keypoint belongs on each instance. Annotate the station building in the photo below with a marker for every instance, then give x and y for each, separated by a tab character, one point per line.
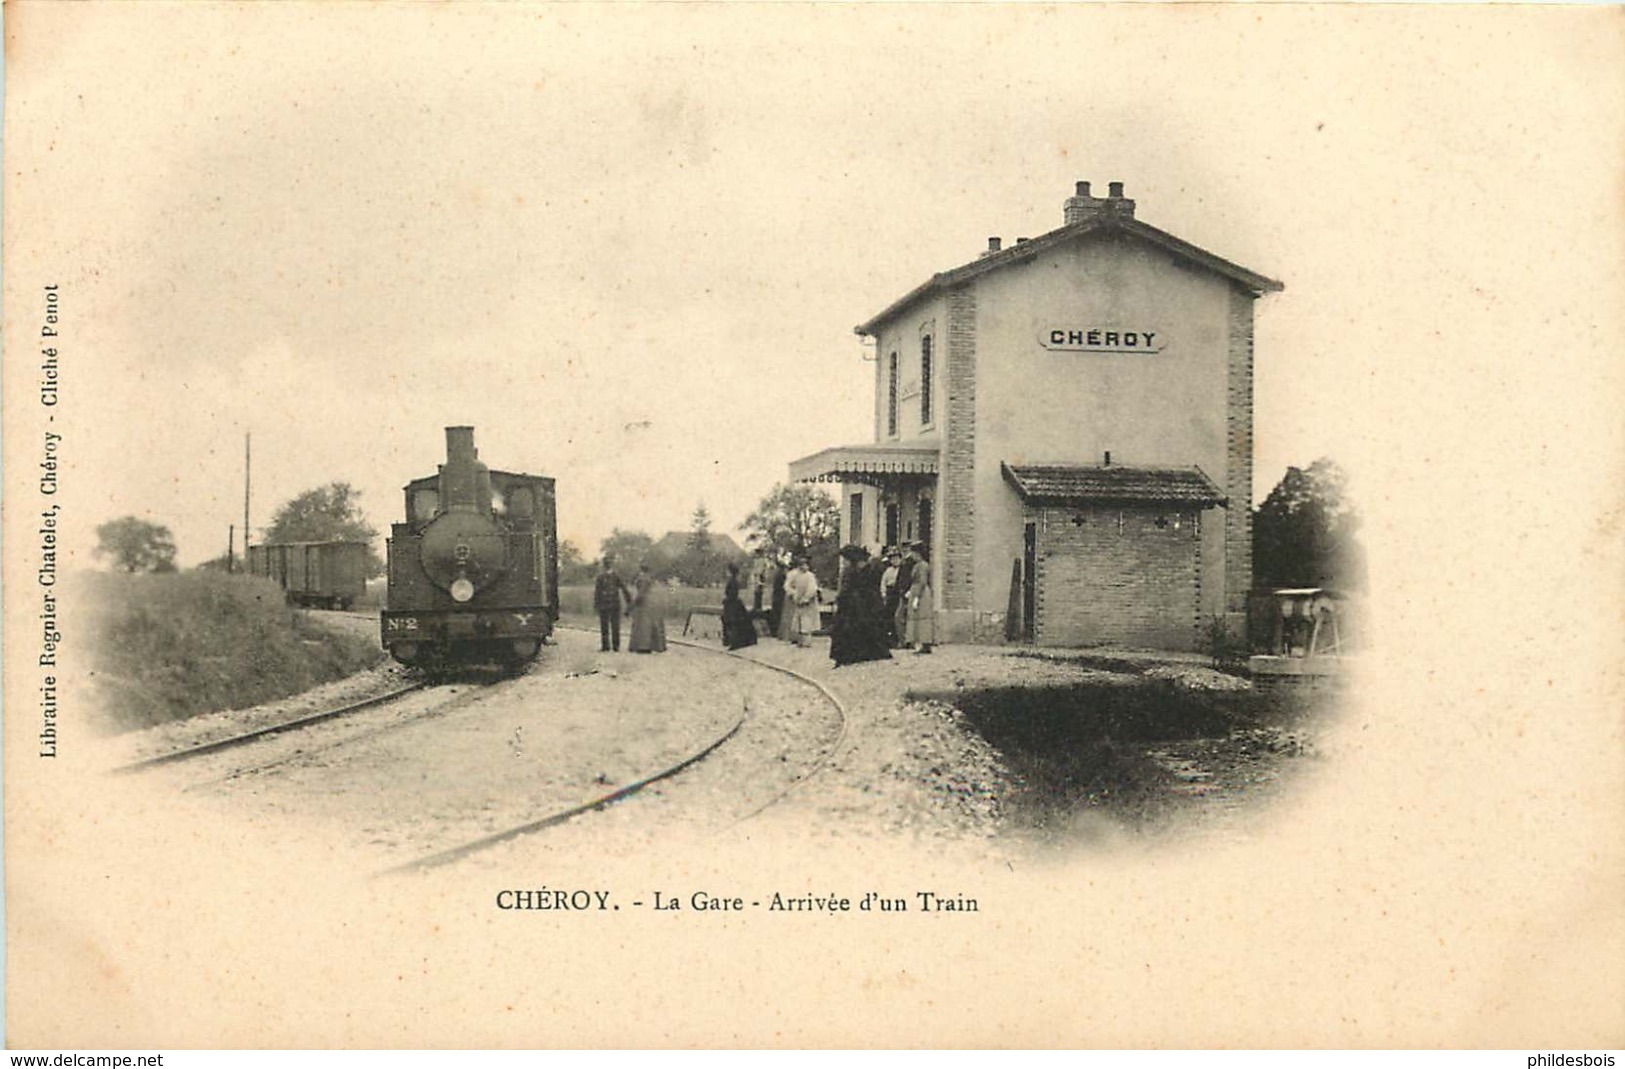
1067	424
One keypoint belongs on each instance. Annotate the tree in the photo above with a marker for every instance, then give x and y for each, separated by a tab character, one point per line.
794	520
136	545
699	526
573	567
629	548
1304	532
330	513
698	565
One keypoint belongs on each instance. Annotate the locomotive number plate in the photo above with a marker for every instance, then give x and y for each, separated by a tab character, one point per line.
402	623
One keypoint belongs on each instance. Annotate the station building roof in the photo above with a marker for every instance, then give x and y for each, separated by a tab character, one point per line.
856	463
1072	484
1091	216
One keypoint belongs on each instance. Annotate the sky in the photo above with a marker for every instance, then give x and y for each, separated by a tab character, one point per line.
629	244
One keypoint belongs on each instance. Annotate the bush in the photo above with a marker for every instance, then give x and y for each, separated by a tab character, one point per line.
166	647
1228	650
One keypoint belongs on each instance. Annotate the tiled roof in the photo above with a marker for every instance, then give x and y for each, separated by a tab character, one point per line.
1065	483
677	541
1026	250
675	544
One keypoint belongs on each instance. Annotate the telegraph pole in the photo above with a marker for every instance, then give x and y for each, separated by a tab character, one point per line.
247	482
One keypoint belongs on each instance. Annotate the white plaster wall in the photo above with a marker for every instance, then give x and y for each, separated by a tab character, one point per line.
1036	405
902	336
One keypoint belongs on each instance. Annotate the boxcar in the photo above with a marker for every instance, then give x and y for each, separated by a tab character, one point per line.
327	575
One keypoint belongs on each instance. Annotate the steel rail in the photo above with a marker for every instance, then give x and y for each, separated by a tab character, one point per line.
457	853
266	732
450	705
823	762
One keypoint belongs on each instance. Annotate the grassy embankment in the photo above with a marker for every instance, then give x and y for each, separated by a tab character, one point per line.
165	647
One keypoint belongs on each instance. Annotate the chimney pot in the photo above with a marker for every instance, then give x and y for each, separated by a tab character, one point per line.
993	244
1021	241
1083	189
1116	190
1108	459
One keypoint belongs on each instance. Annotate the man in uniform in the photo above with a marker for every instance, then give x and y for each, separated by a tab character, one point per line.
607	594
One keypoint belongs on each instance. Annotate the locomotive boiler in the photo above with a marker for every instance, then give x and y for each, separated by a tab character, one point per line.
473	572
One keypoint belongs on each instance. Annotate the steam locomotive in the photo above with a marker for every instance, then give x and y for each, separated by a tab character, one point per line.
473	572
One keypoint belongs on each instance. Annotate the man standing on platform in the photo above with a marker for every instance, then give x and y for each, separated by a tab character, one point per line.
903	581
607	594
758	580
892	594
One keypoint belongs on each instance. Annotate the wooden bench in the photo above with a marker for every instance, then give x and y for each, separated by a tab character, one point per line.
704	621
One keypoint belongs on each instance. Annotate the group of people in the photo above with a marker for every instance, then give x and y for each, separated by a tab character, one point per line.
883	603
791	598
642	599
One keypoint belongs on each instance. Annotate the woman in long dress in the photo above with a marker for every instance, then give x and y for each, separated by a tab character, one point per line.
737	629
922	614
775	614
648	614
800	617
859	634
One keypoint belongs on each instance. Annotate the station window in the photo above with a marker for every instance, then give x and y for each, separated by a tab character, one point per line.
925	381
856	517
891	395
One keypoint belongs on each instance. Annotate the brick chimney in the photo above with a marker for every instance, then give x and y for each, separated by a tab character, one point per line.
1082	206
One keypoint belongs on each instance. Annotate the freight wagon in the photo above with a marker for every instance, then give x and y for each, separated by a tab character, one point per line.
328	575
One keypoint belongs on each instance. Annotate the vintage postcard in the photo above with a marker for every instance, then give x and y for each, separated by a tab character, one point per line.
735	525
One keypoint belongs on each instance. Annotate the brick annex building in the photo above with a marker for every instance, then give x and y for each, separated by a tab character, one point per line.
1067	423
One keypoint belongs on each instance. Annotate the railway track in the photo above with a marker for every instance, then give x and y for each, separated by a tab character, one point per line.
305	748
823	760
233	741
456	701
711	747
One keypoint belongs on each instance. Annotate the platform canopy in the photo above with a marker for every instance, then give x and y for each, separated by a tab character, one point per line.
873	464
1117	484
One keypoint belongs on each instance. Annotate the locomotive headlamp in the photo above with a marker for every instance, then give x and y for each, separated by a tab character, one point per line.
461	589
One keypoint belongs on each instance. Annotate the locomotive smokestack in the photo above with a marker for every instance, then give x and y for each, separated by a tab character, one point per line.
460	445
465	483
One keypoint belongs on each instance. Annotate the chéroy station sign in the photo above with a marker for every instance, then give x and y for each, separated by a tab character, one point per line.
1099	340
